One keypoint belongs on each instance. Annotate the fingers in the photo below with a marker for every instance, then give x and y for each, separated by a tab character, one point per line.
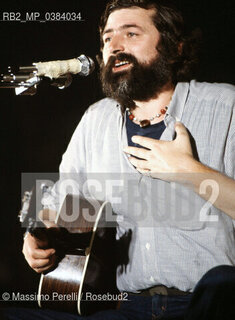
137	152
40	253
161	156
38	259
145	172
143	141
41	265
139	164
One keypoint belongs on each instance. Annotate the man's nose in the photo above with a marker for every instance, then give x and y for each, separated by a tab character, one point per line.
117	44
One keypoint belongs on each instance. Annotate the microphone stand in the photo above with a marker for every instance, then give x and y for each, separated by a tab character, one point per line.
26	81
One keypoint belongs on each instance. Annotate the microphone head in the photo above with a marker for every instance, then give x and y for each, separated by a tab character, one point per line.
87	65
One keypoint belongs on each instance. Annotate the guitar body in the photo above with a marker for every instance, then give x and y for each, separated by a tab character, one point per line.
84	281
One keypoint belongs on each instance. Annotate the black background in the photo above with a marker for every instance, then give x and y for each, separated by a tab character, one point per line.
35	130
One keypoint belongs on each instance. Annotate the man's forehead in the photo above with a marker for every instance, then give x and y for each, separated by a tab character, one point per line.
133	16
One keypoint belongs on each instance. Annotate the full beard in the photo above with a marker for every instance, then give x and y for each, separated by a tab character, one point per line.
140	82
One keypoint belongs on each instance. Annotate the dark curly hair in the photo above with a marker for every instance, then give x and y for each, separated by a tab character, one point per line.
180	49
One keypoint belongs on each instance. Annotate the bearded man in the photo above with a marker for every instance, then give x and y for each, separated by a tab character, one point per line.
176	138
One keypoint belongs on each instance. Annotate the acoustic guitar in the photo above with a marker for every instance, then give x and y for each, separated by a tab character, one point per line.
84	279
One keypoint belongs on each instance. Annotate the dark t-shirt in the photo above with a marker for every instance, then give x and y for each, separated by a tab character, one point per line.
154	131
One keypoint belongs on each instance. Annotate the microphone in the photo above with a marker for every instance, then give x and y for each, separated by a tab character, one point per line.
82	66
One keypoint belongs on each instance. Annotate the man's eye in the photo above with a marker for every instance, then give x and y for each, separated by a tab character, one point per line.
131	34
108	39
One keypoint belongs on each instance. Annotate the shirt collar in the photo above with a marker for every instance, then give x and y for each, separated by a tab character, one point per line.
178	101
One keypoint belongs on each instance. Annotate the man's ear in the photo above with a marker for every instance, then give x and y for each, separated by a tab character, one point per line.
99	58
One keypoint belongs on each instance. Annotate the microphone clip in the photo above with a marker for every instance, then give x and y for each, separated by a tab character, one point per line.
24	83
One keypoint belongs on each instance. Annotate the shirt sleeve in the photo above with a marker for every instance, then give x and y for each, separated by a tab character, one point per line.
72	170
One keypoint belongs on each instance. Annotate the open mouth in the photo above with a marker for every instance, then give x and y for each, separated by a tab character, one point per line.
121	65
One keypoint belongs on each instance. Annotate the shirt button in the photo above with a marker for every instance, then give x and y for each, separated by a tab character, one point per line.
147	246
151	279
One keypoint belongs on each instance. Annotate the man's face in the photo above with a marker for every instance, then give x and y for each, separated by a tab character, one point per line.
130	31
132	69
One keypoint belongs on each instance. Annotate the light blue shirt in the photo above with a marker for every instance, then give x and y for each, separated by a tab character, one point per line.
176	235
